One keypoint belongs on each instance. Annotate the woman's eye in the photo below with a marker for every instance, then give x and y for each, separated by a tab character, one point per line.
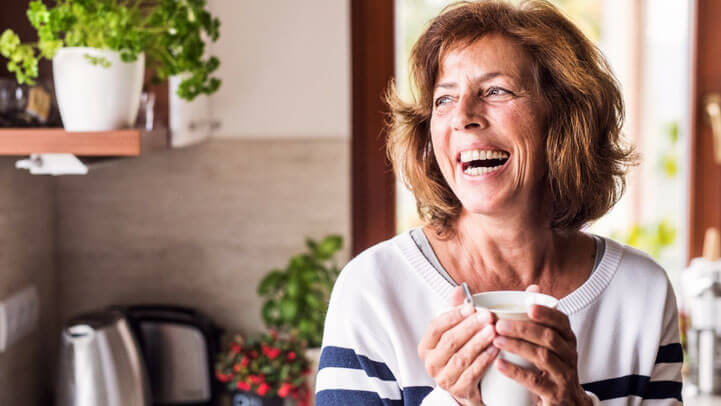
497	91
442	100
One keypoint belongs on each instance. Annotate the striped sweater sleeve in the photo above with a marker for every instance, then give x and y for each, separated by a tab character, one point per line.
663	386
665	383
355	355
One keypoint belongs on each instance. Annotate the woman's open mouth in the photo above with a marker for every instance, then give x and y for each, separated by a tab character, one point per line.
478	162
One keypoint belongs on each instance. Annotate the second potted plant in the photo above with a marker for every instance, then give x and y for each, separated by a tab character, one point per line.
296	298
264	370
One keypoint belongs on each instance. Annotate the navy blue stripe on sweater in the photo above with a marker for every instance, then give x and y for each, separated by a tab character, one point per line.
670	353
338	357
412	396
352	397
634	385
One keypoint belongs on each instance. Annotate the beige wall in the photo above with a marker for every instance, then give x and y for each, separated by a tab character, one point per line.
198	226
285	66
26	257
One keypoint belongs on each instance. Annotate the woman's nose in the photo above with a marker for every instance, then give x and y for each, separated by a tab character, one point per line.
468	114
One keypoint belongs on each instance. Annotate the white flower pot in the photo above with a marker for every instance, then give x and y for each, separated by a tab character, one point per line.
93	97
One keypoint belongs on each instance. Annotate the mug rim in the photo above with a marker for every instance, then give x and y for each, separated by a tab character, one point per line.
547	300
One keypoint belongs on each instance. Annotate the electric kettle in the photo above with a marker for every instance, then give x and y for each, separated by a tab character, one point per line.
101	363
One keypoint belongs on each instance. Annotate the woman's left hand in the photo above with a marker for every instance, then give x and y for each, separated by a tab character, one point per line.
548	342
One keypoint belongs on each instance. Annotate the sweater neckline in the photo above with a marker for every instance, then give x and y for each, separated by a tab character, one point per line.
569	304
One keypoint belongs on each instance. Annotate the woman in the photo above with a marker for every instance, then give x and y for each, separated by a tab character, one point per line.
511	145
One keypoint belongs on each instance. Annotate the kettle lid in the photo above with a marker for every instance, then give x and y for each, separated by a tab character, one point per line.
93	321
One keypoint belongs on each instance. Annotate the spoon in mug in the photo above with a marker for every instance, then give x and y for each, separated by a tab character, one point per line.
467	293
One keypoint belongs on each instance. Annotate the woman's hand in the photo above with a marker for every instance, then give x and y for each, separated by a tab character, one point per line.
457	350
549	343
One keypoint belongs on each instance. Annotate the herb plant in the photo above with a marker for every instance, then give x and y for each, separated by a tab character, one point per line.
171	33
296	298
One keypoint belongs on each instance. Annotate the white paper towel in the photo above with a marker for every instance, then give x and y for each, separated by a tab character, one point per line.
53	164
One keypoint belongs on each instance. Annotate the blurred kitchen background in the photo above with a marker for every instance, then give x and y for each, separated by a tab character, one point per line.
289	148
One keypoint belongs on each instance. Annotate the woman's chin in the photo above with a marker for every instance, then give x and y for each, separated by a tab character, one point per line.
480	206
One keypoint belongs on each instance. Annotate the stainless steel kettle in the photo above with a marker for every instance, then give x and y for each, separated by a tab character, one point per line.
101	363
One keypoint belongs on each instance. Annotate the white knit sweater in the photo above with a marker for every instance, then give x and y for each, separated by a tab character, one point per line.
624	316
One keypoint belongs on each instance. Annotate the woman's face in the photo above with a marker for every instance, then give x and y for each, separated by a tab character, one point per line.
487	126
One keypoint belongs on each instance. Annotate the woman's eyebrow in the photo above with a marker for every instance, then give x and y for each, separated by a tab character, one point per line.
482	78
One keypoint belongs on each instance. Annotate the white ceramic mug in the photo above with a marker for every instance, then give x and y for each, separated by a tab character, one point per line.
496	388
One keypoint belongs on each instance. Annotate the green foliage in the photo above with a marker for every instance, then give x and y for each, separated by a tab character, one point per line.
296	298
669	160
651	238
171	33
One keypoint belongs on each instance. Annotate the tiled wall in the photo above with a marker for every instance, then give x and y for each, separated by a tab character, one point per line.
198	226
27	229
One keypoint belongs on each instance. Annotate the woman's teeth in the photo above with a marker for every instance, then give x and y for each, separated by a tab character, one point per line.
480	162
477	154
481	170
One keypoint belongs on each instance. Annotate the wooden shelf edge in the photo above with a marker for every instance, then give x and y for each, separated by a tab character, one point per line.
129	142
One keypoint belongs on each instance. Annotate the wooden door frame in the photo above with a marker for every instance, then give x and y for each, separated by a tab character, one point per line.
705	175
373	184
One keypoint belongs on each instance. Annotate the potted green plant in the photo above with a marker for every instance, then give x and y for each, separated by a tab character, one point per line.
296	297
264	369
100	48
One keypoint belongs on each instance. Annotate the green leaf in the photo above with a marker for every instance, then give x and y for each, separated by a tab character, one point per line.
313	301
9	42
271	313
329	246
672	129
294	288
288	309
271	282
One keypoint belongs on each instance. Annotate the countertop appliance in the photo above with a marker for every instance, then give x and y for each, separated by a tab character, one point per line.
701	297
101	363
179	346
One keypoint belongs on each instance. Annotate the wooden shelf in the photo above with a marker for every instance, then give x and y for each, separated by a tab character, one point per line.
131	142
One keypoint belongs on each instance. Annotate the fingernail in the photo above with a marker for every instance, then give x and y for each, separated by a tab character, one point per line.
484	315
500	341
503	326
492	351
466	310
501	365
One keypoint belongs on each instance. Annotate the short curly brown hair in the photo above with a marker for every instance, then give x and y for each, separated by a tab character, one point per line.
586	174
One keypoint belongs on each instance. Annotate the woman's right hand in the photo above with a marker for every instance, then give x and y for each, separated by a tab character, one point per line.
457	349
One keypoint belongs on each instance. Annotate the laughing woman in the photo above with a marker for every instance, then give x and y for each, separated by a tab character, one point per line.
511	145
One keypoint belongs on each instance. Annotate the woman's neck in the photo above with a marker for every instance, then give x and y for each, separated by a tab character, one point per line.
512	253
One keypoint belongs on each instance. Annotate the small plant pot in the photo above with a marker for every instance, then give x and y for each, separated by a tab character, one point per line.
92	97
241	398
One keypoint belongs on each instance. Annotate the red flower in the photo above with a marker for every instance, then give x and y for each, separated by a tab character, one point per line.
244	361
244	386
236	367
263	389
284	389
254	354
223	377
274	334
235	348
291	355
271	353
256	378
